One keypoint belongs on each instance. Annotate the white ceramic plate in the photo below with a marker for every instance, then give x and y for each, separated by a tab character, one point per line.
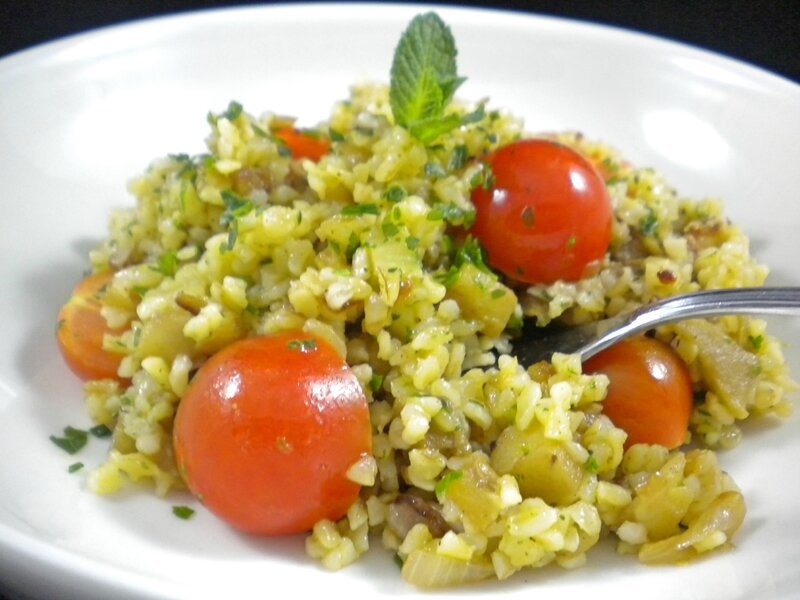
81	116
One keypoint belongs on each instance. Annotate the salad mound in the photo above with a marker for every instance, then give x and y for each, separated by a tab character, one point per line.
313	331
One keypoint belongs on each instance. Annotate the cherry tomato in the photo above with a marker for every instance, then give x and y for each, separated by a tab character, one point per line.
547	215
650	394
303	145
267	430
81	329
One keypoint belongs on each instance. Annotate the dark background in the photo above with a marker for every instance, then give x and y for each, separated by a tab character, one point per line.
762	32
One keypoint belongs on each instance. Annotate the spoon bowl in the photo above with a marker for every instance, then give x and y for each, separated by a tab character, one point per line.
591	338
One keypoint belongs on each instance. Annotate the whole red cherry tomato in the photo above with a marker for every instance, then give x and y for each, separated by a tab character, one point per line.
547	215
650	394
267	430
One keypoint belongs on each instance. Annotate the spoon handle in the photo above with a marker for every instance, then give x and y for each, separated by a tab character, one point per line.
591	338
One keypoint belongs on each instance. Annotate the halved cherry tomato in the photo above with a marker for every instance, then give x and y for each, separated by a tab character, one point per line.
547	215
81	329
267	430
303	145
650	394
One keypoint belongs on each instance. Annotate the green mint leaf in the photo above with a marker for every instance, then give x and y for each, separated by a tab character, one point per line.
424	78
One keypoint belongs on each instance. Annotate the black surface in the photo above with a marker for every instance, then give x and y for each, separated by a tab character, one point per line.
762	32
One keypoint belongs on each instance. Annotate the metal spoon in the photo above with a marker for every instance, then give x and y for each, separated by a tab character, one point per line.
591	338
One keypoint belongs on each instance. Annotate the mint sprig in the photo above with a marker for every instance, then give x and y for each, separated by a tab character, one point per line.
424	79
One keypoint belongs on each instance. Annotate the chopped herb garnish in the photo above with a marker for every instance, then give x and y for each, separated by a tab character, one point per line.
445	482
233	235
361	209
389	228
498	293
394	194
353	244
75	467
73	440
591	465
100	431
303	345
458	158
235	207
488	178
183	512
434	170
283	150
167	263
571	242
649	224
231	113
756	341
335	135
452	214
376	382
470	253
528	216
412	243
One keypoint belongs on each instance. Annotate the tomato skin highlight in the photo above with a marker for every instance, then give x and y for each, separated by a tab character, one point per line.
650	392
547	215
267	430
302	145
81	328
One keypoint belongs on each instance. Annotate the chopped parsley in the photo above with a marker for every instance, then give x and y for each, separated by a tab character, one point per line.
445	482
591	465
72	441
100	431
452	214
458	158
528	216
649	225
394	194
389	228
303	345
167	263
75	467
434	170
756	341
183	512
231	113
361	209
376	382
235	207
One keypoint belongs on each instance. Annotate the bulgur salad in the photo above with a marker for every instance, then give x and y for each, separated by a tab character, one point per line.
313	331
